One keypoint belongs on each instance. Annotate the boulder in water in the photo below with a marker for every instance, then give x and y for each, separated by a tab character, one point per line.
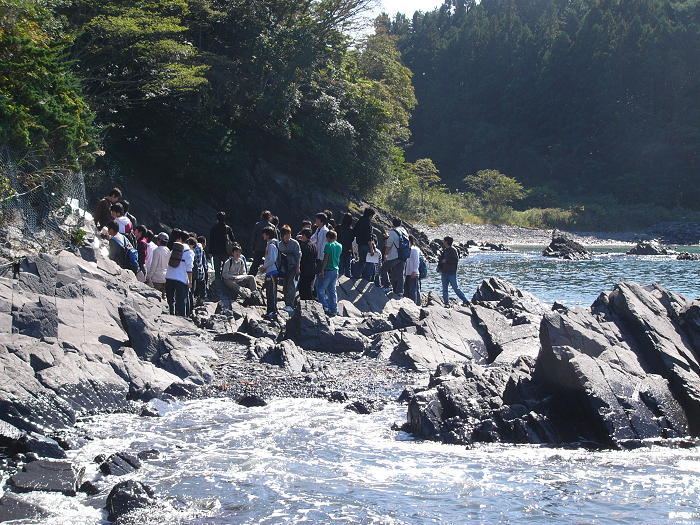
250	401
120	464
128	496
13	507
685	256
564	247
651	247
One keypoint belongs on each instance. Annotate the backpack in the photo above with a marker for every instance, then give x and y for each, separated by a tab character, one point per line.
422	267
131	256
281	262
404	246
176	254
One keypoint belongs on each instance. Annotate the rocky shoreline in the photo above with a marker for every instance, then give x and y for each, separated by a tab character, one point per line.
80	336
676	233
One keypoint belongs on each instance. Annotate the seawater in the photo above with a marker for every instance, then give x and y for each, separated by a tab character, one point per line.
573	283
310	461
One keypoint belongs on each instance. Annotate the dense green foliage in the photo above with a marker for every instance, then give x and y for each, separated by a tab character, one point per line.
44	121
591	102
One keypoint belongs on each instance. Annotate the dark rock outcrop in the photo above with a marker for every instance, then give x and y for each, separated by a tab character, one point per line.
563	247
49	476
623	371
127	497
13	507
365	406
685	256
285	354
250	401
310	327
651	247
120	464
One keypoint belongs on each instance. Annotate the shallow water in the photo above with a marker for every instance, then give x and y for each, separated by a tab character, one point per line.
574	283
310	461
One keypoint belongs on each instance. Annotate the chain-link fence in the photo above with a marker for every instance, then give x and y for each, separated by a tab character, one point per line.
48	207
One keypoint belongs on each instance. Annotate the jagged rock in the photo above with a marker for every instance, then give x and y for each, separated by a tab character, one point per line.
49	476
120	464
373	324
254	325
89	488
186	365
348	339
365	406
251	401
38	320
41	445
310	327
651	247
144	338
336	396
503	295
13	507
128	496
563	247
347	309
685	256
505	342
149	411
145	455
363	294
285	354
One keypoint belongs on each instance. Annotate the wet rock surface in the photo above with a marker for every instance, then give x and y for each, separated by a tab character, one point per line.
48	476
127	497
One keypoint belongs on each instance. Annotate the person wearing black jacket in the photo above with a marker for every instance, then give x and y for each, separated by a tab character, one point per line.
220	238
447	266
345	237
363	237
257	243
307	266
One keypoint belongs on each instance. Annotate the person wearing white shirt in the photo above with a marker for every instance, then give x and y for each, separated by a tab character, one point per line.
318	239
411	287
178	279
158	266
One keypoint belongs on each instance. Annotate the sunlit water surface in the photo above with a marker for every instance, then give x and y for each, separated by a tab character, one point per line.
310	461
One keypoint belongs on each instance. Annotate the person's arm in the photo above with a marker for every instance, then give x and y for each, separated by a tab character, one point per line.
297	252
323	265
189	279
415	262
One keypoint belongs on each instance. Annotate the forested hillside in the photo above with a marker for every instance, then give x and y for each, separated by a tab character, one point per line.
192	96
585	102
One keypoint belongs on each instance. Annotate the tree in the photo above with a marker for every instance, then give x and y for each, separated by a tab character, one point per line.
494	189
427	176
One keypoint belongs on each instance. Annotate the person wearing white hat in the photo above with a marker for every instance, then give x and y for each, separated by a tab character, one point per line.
159	263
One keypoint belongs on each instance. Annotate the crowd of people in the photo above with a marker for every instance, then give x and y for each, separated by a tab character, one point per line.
306	265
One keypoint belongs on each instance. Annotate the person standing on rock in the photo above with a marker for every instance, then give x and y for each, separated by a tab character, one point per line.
118	217
362	233
257	243
394	265
118	244
178	277
319	239
220	239
412	283
345	238
235	273
291	252
103	211
126	205
308	265
197	289
328	278
269	268
447	266
142	249
159	263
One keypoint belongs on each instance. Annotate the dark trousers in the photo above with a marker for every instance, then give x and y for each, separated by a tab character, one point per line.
177	293
393	274
345	263
305	287
219	261
271	293
257	261
411	289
